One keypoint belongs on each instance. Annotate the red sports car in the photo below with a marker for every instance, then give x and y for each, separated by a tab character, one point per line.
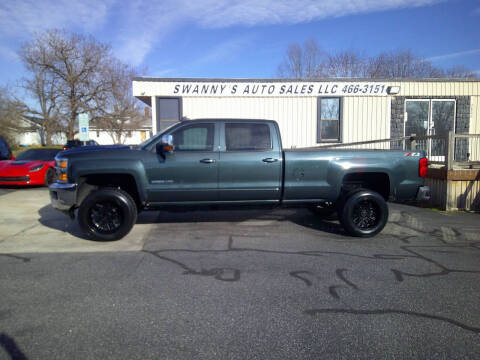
31	167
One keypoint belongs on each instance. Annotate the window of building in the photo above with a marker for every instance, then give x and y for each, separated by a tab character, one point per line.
169	112
240	137
196	137
328	119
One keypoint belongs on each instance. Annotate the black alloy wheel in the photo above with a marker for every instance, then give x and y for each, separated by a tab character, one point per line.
364	213
107	214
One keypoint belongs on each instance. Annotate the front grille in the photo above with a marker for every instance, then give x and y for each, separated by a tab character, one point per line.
12	179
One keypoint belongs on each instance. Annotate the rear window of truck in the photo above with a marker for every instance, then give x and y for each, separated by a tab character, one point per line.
241	137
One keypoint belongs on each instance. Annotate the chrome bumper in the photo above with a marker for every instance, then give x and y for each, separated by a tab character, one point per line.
423	193
63	196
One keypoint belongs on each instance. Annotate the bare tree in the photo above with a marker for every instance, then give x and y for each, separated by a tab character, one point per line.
118	113
309	62
46	114
11	114
302	62
401	64
346	64
460	72
74	64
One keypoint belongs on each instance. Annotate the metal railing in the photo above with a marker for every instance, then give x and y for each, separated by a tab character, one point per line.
451	150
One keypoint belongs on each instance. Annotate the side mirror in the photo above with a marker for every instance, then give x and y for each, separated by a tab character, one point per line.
165	145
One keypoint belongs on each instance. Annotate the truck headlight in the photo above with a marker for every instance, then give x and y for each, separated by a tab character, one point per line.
62	163
61	166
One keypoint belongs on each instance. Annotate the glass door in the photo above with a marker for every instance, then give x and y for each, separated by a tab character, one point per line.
430	117
442	121
417	113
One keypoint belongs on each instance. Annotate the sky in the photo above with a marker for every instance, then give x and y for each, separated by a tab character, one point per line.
245	39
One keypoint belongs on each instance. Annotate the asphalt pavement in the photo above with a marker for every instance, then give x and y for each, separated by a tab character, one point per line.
245	284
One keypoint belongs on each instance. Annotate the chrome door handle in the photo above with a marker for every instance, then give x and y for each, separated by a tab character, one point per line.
207	161
270	160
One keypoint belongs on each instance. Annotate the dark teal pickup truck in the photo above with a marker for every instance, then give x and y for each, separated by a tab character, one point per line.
231	162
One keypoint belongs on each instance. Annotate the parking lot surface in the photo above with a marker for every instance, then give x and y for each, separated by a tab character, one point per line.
278	284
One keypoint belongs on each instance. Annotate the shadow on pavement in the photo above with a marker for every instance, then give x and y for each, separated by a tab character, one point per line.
11	347
56	220
298	216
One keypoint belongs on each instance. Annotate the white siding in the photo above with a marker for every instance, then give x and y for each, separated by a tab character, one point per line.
295	116
28	138
364	117
463	195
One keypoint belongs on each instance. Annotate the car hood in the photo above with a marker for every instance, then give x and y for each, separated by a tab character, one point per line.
17	168
92	148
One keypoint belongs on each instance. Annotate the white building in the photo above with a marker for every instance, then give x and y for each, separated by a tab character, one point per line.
312	113
129	137
101	136
34	137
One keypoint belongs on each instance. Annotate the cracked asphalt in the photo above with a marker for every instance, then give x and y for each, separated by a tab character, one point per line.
243	284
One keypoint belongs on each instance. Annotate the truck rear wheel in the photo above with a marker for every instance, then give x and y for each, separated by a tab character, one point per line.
107	214
364	213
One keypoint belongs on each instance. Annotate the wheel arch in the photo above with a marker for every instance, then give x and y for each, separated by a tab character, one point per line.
123	180
377	181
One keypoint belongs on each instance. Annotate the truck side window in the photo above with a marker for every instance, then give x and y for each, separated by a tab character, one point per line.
197	137
239	137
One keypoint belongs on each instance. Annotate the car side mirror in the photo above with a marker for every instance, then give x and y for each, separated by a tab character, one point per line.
165	145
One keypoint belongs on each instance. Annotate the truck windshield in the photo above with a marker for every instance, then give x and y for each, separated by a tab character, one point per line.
146	145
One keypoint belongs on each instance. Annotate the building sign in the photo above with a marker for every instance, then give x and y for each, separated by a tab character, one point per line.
83	121
267	89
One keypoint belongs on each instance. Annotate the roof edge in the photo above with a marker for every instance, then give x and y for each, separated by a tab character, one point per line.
159	79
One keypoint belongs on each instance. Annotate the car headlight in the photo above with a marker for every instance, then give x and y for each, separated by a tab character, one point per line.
36	168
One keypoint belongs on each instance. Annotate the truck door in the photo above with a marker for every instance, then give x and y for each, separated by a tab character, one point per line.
250	165
190	172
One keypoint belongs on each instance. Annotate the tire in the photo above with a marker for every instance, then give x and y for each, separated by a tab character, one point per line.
107	214
50	177
364	213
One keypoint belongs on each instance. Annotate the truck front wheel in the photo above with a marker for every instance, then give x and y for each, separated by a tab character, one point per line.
107	214
364	213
